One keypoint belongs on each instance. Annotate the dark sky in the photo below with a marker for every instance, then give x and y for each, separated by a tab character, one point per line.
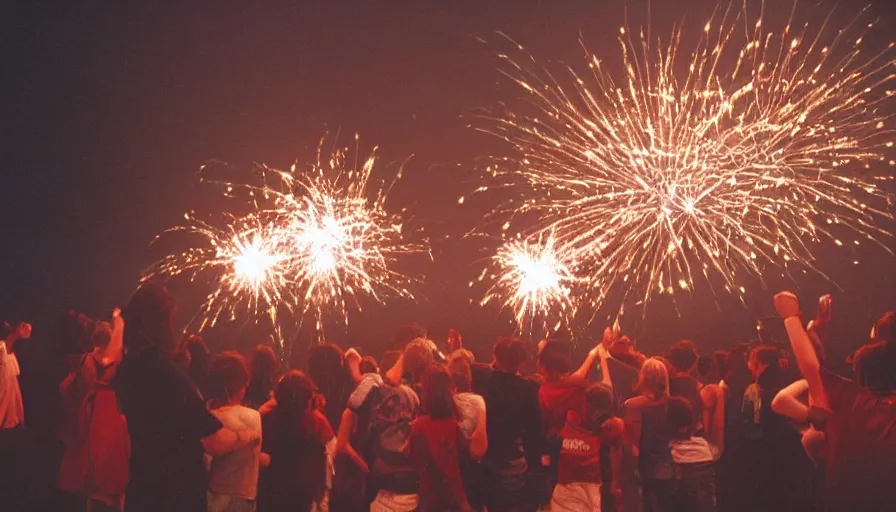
109	109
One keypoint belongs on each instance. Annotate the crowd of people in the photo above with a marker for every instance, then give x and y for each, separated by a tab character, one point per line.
147	423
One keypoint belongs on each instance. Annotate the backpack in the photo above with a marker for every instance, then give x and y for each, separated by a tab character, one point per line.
95	433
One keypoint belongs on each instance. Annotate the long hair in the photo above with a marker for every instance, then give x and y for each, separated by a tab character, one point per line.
149	316
653	380
438	393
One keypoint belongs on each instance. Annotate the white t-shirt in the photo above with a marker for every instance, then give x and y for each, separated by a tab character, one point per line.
12	410
470	406
236	473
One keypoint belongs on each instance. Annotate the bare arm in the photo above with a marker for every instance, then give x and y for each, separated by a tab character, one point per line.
479	438
393	375
633	426
588	364
115	349
714	414
788	307
787	403
343	439
225	441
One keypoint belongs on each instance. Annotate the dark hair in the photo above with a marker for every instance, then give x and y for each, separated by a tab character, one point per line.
102	335
682	355
875	366
437	398
766	354
599	402
462	374
294	392
416	360
407	333
200	359
554	357
680	417
510	354
227	375
73	332
325	365
368	365
885	327
149	317
712	367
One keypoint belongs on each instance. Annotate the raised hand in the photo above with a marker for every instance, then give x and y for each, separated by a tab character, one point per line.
787	305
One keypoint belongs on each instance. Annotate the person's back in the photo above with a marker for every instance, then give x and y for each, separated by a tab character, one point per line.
687	387
236	473
861	434
387	413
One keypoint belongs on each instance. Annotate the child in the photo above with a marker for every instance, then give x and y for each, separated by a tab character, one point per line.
693	457
579	468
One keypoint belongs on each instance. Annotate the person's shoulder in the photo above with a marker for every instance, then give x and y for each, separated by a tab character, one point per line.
637	402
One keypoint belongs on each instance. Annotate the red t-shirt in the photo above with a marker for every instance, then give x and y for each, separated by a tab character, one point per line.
861	436
580	451
560	397
435	452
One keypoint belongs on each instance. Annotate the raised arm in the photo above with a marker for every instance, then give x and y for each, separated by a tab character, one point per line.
588	364
788	307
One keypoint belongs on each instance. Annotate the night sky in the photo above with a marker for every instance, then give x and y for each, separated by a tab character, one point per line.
110	108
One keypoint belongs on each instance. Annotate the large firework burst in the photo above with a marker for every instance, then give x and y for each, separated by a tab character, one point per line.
721	160
315	240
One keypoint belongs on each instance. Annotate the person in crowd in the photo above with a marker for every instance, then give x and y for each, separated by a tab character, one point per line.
300	443
454	342
623	364
383	408
562	391
97	447
647	430
327	369
693	457
13	437
200	358
233	482
436	442
515	431
169	425
12	409
579	466
775	473
473	426
859	415
682	357
265	371
709	376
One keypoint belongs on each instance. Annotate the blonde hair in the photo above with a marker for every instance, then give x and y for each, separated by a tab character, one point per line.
653	380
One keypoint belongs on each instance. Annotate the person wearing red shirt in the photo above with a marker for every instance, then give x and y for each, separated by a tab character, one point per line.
435	445
579	466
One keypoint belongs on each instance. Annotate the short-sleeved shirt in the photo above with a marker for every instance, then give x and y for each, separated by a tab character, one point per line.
386	412
861	437
470	405
559	398
167	420
579	460
236	473
12	410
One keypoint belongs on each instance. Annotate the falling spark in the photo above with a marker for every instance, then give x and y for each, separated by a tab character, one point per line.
534	283
315	241
653	180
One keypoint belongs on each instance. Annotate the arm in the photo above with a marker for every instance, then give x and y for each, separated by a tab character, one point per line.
788	307
714	415
225	441
605	376
353	364
479	438
393	375
787	404
633	425
343	439
114	350
588	364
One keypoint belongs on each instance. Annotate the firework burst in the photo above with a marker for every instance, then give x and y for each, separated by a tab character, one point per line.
314	241
531	280
745	153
